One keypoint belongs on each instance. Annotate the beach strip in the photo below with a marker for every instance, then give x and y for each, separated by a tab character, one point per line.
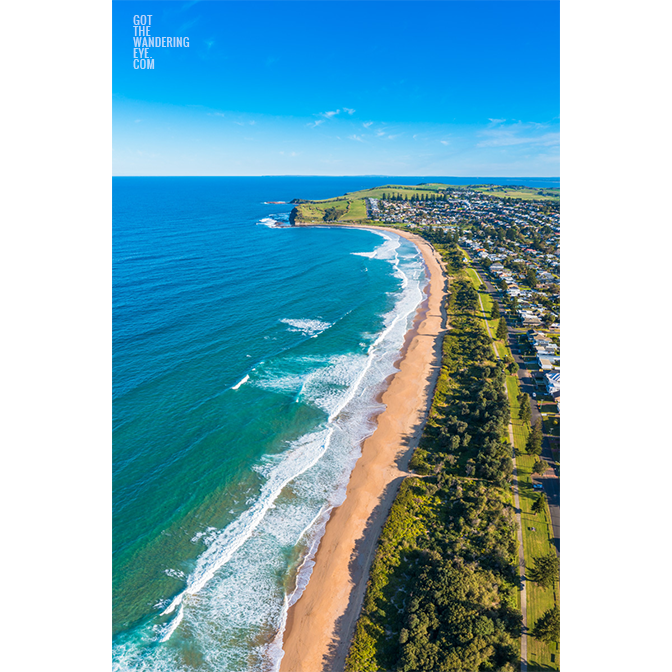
321	623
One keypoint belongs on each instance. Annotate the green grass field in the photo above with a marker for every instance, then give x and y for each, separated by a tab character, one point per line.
537	541
356	210
525	194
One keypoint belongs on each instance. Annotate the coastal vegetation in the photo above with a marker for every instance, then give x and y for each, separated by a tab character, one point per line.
443	589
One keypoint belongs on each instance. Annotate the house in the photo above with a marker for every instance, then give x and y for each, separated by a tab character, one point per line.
553	383
548	362
528	319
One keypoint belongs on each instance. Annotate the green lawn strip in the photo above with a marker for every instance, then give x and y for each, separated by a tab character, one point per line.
487	301
536	542
502	348
521	430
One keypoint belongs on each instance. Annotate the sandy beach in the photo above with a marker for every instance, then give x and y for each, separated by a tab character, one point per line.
321	623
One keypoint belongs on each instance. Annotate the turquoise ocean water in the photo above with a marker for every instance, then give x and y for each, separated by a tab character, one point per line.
247	361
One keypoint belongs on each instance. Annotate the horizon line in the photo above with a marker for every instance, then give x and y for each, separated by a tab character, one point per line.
505	177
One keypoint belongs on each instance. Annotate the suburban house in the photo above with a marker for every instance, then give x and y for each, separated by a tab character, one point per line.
553	383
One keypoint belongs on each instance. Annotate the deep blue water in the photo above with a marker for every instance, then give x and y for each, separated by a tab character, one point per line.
247	361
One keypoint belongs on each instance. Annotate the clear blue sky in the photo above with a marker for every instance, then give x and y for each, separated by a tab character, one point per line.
340	88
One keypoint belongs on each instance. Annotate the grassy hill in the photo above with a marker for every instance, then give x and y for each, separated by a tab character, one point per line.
351	207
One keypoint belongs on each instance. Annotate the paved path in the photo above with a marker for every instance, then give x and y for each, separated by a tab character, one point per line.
516	503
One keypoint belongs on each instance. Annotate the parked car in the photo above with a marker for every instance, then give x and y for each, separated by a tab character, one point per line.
537	486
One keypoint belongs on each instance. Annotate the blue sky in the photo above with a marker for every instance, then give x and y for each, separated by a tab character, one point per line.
340	88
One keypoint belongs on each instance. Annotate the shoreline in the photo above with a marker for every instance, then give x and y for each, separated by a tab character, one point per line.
320	624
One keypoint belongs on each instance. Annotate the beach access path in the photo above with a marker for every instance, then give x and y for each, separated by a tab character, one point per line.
321	623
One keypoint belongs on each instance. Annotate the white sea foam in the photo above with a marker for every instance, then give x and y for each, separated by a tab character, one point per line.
165	633
175	573
269	222
231	538
241	382
307	327
277	221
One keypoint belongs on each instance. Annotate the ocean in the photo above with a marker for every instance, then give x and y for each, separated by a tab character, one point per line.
249	357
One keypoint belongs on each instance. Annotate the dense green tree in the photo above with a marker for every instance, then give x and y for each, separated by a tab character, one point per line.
546	570
547	628
501	328
494	313
512	368
540	466
531	277
331	214
535	438
524	413
539	503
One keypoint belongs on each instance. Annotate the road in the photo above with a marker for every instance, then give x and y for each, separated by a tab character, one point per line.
551	479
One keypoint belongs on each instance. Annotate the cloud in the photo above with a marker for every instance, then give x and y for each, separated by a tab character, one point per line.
444	142
366	124
518	134
359	138
394	137
185	26
137	121
380	133
329	115
210	43
315	123
348	110
495	122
